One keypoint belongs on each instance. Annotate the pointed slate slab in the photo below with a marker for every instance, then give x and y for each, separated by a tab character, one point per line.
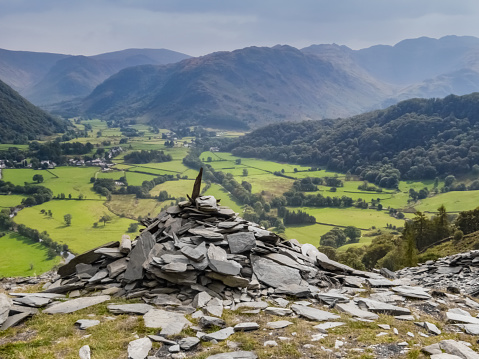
76	304
14	320
412	292
5	305
171	323
380	307
353	310
138	255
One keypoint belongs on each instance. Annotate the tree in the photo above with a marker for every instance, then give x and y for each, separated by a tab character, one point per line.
38	178
334	238
105	218
353	234
133	227
238	161
245	172
410	251
449	180
68	219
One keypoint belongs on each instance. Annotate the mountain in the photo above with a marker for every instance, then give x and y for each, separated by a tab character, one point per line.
243	88
250	87
415	139
21	121
49	78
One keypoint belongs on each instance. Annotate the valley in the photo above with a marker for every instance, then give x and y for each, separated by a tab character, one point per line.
269	179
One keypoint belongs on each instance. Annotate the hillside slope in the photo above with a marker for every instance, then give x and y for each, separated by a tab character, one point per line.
243	88
21	121
420	138
49	78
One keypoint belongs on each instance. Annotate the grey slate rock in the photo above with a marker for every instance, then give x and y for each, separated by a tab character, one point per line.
139	349
170	323
460	318
138	255
234	355
76	304
85	352
355	311
177	267
86	323
98	276
33	301
125	244
215	307
216	252
472	329
201	299
241	242
220	335
160	339
230	268
5	305
246	327
14	320
453	347
230	281
278	311
412	292
117	267
313	313
380	307
86	258
135	308
208	322
194	254
280	324
188	343
274	274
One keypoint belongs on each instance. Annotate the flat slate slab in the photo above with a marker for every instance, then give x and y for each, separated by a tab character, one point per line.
14	320
380	307
412	292
170	323
460	318
234	355
139	349
355	311
279	324
313	313
246	326
220	335
86	323
136	308
76	304
276	275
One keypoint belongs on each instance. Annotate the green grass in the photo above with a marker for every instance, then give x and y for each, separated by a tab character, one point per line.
176	189
136	179
69	180
10	200
269	183
81	235
25	252
132	207
6	146
453	201
111	174
226	199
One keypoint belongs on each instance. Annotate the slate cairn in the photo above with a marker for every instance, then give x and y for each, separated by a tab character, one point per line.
199	246
457	273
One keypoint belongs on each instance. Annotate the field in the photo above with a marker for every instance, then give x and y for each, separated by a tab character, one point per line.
453	201
175	189
81	235
131	207
226	198
67	180
10	200
30	257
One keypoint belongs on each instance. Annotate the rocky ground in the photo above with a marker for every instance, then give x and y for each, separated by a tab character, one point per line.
200	282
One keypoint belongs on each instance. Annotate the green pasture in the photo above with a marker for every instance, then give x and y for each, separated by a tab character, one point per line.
269	183
110	174
132	207
176	189
68	180
81	235
453	201
361	218
11	200
175	166
136	179
6	146
226	198
19	254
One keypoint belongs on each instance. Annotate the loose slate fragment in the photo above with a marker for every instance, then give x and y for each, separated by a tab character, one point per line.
125	244
274	274
138	308
170	323
313	313
230	268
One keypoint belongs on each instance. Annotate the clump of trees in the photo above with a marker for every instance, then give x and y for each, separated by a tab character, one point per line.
36	194
338	237
299	217
146	156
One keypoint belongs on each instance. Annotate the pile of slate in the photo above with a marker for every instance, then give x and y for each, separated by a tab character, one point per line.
457	273
204	247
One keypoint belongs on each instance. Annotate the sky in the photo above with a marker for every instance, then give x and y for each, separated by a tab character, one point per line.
199	27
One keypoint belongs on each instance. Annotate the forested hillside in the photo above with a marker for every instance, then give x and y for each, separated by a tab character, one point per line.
415	139
21	121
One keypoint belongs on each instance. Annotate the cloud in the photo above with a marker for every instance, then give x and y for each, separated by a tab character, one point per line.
198	27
